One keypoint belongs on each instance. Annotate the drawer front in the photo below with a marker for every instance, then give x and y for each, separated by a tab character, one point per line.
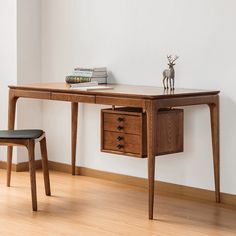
134	102
122	123
32	94
73	97
125	143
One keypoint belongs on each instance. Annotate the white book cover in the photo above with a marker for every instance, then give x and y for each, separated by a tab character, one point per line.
102	80
89	88
83	73
84	84
102	69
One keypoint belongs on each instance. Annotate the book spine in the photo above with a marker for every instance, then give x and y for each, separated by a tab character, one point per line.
77	79
83	73
98	69
85	84
100	80
83	69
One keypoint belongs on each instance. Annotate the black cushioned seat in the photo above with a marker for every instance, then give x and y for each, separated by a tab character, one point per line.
27	138
21	134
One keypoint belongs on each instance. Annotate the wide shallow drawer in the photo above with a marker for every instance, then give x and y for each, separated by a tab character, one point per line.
122	123
124	143
31	94
73	97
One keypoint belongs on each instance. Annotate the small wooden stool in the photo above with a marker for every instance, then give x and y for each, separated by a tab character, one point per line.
28	138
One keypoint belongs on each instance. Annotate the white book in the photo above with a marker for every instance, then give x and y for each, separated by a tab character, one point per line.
100	69
90	74
84	84
101	80
89	88
83	73
91	69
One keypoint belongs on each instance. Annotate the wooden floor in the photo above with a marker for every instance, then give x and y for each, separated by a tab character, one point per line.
87	206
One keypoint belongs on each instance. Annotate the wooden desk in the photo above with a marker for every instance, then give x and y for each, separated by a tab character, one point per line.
150	99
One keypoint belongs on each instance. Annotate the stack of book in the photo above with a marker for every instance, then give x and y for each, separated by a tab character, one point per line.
90	76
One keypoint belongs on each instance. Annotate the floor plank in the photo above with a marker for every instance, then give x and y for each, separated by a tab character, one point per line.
82	205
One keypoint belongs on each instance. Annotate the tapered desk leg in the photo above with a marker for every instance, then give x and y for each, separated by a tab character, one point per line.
214	111
11	122
74	120
151	156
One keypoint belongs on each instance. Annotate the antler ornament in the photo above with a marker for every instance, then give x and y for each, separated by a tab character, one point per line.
169	74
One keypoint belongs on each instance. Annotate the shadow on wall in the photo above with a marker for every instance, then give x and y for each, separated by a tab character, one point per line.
175	168
111	78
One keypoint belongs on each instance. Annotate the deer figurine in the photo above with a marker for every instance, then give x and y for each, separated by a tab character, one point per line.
169	74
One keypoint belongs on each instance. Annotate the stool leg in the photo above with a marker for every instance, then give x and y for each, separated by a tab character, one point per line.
9	165
43	147
30	147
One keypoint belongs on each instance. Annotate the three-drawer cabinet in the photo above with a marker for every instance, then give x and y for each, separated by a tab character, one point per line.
124	131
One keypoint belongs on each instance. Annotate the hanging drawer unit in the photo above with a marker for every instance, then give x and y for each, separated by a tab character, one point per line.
124	131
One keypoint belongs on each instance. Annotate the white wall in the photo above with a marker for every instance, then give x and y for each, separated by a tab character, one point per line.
20	62
8	61
132	39
29	112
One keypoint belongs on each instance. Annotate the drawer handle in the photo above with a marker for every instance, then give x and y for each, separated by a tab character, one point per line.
120	146
120	119
119	138
120	127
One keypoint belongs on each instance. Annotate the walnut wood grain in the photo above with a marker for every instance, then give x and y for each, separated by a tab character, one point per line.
129	124
151	140
31	154
150	99
215	134
11	122
74	121
32	94
123	131
130	143
73	97
43	147
119	101
169	131
119	90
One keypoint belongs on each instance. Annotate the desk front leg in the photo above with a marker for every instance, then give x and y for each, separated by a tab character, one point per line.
214	112
74	121
150	111
11	122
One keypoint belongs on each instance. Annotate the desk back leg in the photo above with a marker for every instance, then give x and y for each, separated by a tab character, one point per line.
11	122
214	110
74	120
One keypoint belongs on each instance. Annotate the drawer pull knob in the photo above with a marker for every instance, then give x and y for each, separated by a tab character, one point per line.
120	119
120	146
119	138
119	127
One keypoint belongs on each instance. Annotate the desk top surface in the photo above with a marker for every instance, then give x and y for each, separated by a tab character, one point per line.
120	90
